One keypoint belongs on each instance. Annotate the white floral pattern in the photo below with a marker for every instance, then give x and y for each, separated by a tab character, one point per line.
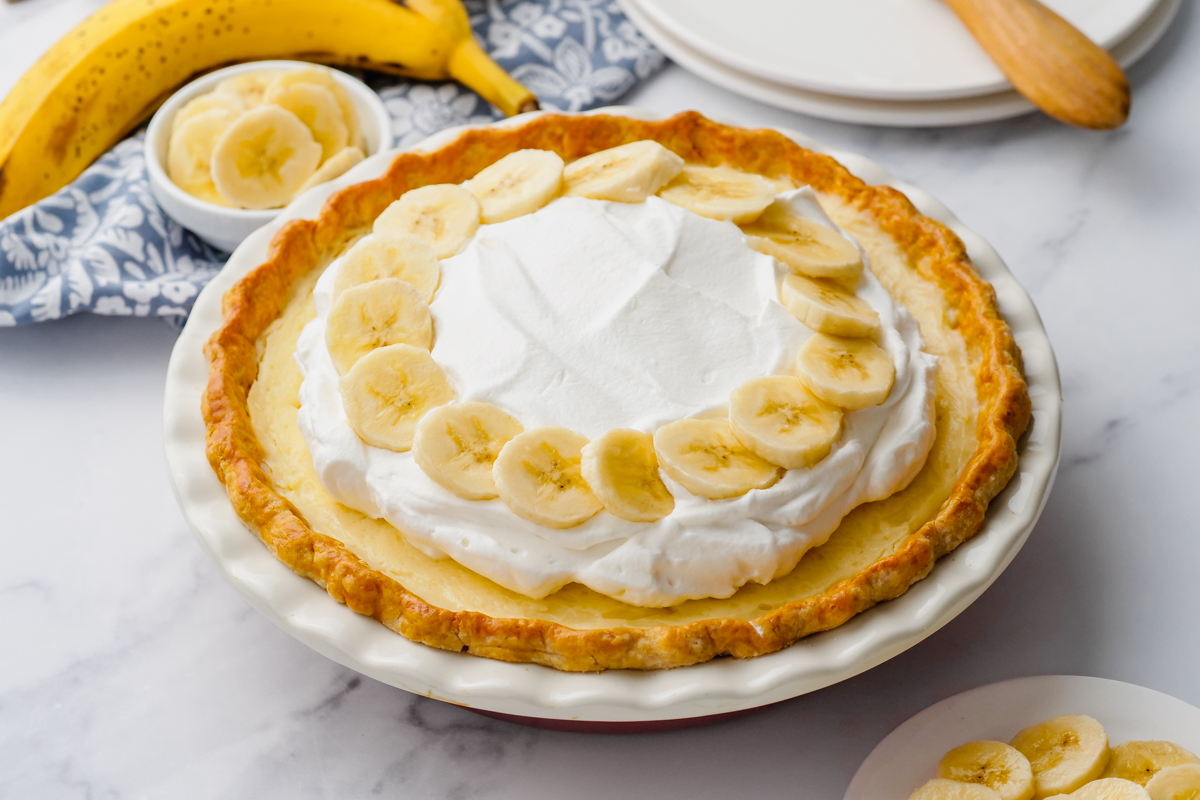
103	245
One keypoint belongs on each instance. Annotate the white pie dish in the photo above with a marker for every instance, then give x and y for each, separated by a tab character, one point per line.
908	756
717	687
225	228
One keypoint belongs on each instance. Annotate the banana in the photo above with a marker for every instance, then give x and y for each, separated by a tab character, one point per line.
782	422
374	257
387	392
1180	782
721	193
207	102
376	314
827	307
704	457
263	158
805	245
323	77
518	184
622	471
1110	789
1065	752
627	174
456	445
443	214
208	193
850	373
105	77
1140	761
317	109
538	476
993	764
943	789
339	163
189	154
248	88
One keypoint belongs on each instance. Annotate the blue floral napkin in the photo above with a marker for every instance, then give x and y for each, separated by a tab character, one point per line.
103	245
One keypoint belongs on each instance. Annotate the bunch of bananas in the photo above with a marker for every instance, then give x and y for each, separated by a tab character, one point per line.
109	74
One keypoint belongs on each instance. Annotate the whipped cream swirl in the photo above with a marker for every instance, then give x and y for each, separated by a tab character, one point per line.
596	315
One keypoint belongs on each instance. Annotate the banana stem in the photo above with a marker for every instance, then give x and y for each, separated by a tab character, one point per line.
470	65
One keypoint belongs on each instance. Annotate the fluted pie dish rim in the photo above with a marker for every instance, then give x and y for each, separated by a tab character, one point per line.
521	640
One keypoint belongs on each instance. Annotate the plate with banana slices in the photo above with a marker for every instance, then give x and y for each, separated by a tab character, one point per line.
1039	737
392	387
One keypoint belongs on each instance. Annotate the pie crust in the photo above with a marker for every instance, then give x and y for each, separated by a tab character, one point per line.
932	251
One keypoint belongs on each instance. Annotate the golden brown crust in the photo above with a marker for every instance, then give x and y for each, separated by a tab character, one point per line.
936	253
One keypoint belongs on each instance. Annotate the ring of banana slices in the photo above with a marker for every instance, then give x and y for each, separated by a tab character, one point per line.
1067	756
379	332
261	138
396	392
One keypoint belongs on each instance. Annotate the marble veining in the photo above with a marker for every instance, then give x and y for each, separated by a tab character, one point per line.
130	669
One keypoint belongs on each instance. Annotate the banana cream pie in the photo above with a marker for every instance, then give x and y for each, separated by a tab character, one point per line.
601	393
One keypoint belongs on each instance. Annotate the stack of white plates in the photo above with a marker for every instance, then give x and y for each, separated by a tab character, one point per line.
878	62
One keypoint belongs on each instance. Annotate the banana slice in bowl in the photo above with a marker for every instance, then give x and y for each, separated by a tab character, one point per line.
264	157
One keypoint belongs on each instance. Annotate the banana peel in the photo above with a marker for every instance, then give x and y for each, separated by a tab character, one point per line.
107	76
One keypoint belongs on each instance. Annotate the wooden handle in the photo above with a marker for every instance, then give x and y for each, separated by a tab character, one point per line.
1048	60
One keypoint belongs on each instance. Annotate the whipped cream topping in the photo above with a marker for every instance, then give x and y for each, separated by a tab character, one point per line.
596	315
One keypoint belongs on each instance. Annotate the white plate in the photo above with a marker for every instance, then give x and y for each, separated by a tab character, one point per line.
878	49
899	113
724	685
909	755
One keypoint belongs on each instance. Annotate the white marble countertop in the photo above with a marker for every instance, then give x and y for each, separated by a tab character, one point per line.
129	668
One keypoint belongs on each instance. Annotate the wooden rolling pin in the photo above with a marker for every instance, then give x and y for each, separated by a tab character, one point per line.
1048	60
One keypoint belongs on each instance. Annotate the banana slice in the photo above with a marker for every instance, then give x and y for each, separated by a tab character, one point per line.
373	315
622	471
1065	752
992	764
518	184
827	307
324	77
1140	761
443	214
375	257
805	245
317	109
249	87
456	445
190	151
627	174
208	193
706	458
782	422
943	789
720	193
264	157
538	476
1111	789
1175	783
389	390
850	373
207	102
334	167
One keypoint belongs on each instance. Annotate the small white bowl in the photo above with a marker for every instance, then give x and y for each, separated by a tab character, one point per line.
221	227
